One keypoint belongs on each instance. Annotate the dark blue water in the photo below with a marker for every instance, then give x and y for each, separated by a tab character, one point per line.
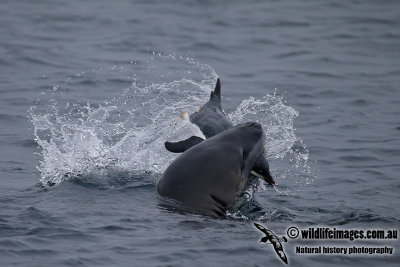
91	90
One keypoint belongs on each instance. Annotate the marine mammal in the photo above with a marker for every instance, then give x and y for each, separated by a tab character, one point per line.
208	121
209	176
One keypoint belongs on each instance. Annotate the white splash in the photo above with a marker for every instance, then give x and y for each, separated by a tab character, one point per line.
127	134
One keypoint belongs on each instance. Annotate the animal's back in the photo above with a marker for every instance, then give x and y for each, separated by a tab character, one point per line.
200	176
203	118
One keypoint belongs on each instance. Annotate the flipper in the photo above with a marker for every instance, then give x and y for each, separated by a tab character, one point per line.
182	146
261	170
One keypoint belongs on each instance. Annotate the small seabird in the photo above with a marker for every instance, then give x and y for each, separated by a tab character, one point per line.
274	240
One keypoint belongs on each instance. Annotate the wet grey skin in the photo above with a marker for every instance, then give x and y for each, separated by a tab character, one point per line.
210	119
209	176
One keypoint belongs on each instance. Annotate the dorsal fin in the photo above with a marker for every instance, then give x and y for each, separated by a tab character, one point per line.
216	94
217	89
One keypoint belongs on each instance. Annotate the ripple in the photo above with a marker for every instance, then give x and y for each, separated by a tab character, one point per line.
292	54
12	244
201	46
370	20
34	252
359	158
11	118
321	74
113	228
359	102
364	217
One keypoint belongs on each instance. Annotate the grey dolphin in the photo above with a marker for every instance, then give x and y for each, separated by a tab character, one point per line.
210	118
208	121
209	176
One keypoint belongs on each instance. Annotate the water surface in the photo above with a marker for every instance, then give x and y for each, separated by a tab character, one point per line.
90	91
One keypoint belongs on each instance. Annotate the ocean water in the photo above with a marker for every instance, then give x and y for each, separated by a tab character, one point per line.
91	90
